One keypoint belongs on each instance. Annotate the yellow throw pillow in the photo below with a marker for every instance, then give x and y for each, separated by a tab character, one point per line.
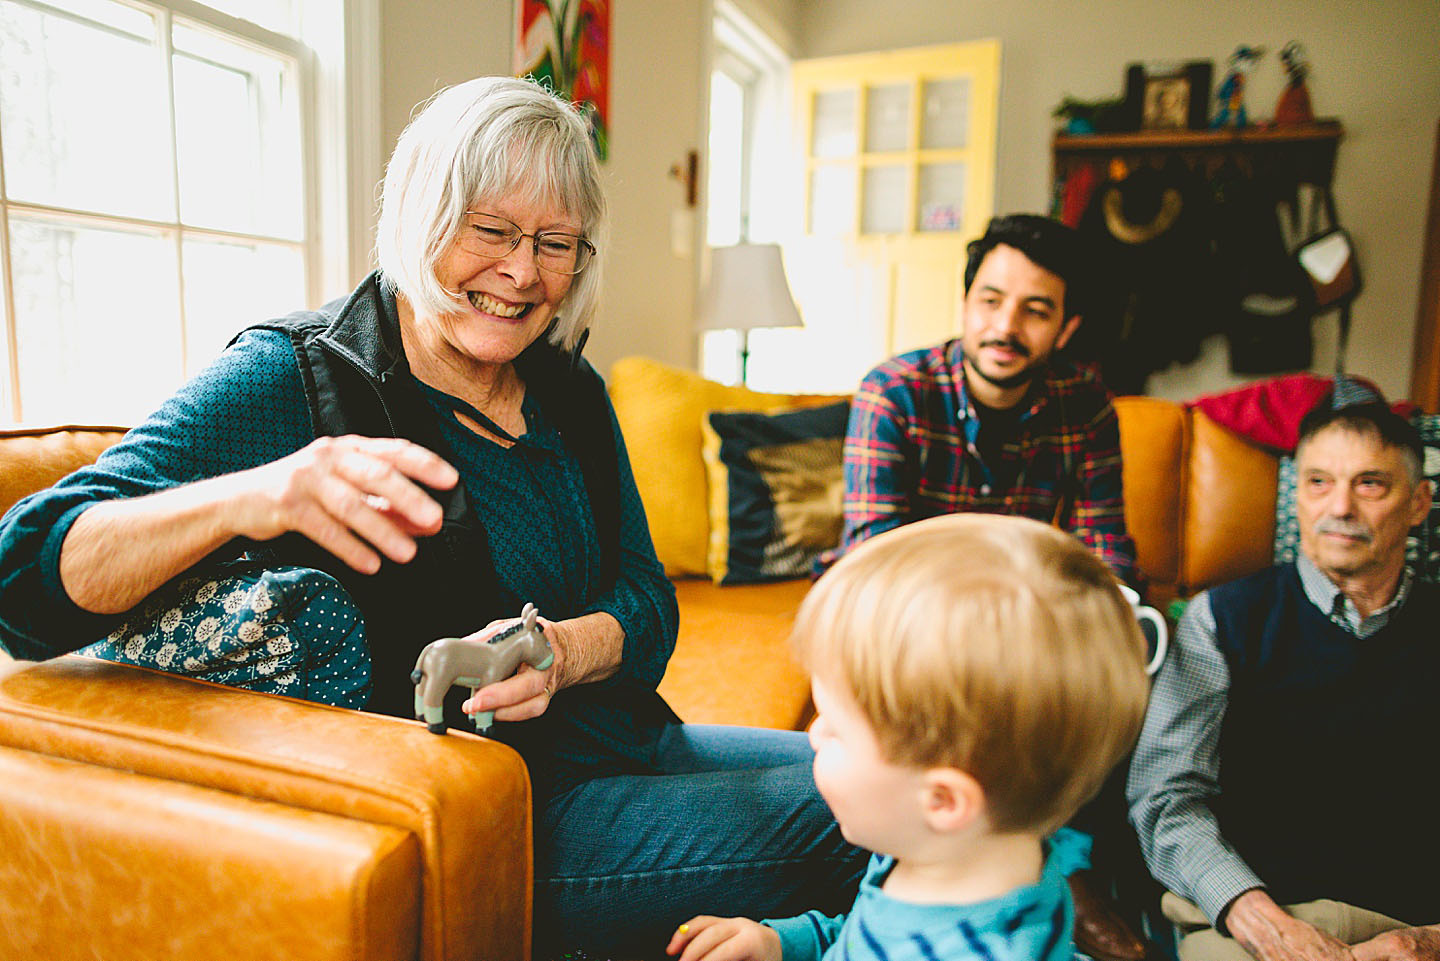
660	409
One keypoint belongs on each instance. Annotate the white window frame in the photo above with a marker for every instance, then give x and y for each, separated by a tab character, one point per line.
751	58
344	36
755	61
336	59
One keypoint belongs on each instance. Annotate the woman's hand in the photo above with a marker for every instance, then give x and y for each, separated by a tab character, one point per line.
354	496
527	692
724	939
586	649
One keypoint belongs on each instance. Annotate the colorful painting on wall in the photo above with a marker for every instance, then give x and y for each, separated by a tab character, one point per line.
566	44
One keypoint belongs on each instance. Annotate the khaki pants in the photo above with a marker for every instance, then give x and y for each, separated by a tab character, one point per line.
1198	941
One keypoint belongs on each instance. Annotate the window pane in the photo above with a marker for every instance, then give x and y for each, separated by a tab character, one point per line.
89	346
885	200
727	158
237	120
942	196
123	19
832	201
84	115
946	119
887	119
834	122
229	286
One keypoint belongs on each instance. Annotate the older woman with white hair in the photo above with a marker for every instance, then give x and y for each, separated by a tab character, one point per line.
418	460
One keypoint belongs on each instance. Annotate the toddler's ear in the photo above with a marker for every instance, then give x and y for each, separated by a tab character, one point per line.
952	800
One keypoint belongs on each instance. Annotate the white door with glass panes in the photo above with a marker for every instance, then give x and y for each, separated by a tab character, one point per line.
897	176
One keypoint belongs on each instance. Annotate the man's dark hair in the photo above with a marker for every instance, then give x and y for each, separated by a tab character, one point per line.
1372	418
1048	243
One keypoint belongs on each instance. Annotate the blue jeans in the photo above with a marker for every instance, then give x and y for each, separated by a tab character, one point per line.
732	825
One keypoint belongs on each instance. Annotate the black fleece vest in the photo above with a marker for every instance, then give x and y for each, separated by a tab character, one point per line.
357	381
1327	744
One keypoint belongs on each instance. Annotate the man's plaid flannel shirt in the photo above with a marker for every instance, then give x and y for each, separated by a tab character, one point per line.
910	454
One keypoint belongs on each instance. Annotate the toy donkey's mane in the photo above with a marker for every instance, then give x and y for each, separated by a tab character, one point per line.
528	624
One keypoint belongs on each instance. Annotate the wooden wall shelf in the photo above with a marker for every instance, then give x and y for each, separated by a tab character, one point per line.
1322	132
1304	153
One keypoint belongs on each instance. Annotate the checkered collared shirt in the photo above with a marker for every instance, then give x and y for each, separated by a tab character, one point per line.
910	453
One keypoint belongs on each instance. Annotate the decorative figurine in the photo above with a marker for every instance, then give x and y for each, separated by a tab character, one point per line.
452	660
1232	89
1294	108
1091	116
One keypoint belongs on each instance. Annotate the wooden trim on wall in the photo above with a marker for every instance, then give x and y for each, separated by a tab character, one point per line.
1425	376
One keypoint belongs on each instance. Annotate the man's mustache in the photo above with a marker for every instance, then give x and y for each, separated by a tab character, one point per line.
1355	529
1007	343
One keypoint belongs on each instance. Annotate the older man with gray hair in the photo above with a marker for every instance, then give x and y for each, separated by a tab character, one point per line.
1276	788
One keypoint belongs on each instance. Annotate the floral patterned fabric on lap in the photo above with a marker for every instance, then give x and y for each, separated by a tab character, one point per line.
286	630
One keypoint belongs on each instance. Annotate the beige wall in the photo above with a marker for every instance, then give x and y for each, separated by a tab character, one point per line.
1375	67
429	44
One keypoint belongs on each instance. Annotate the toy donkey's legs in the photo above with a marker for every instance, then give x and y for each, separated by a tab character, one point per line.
434	716
482	719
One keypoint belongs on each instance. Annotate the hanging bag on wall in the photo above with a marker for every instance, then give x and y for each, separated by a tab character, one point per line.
1328	261
1321	260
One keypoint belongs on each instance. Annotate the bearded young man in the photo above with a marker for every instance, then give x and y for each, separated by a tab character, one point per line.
994	421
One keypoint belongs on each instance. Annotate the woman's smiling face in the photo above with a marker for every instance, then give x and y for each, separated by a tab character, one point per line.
510	300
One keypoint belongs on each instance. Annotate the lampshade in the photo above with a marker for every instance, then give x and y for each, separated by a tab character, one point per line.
747	289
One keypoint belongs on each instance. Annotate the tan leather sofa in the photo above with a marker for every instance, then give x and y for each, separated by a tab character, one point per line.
146	816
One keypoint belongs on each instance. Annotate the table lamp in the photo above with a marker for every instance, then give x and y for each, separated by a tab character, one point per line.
747	289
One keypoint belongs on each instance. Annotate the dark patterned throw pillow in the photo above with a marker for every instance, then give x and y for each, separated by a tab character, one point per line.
775	483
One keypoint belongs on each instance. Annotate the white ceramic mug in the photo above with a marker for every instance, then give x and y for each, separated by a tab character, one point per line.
1162	630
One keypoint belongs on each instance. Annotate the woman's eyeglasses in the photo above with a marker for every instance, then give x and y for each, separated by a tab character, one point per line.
492	236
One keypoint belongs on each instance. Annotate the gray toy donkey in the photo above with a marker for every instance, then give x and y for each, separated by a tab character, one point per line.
452	660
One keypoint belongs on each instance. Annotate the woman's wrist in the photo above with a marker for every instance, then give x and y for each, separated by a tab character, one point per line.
588	648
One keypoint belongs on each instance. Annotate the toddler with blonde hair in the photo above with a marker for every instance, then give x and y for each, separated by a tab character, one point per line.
975	678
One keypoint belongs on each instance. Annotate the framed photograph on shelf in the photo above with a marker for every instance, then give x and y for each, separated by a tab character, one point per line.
1166	103
1170	97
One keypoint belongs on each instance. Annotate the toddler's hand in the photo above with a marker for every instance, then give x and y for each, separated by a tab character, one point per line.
724	939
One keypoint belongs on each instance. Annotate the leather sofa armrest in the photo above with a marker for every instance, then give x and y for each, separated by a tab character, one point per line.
97	862
466	800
